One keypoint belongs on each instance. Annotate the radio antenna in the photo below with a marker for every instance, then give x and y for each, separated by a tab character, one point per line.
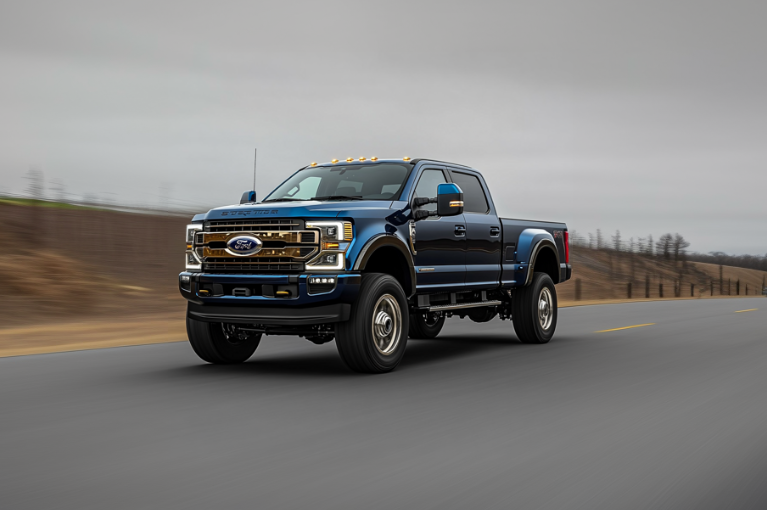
255	157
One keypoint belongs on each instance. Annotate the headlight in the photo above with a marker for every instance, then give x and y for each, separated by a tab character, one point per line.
192	261
335	237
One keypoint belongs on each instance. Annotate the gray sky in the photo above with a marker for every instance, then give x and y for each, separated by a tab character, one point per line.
647	117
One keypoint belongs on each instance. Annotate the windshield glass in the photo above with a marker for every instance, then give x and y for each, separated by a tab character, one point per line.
381	181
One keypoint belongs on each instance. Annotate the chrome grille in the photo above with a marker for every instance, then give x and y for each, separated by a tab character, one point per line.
287	246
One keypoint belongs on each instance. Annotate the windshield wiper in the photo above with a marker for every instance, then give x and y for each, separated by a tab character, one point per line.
338	197
286	200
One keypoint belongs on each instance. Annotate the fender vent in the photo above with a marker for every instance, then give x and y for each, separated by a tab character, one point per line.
510	251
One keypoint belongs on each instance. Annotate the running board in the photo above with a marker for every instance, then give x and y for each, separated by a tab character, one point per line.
458	306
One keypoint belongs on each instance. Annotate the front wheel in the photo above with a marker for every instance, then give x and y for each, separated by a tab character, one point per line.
534	310
373	340
221	343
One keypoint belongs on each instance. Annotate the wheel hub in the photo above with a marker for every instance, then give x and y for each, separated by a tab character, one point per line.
387	324
545	312
384	324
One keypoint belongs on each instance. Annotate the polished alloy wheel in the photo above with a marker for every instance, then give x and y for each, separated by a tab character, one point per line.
387	324
545	309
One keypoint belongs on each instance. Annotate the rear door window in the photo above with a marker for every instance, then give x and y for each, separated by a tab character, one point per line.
474	199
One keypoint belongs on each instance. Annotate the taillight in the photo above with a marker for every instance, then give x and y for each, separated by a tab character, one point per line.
567	247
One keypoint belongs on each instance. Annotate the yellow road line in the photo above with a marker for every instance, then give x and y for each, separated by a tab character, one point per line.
627	327
749	310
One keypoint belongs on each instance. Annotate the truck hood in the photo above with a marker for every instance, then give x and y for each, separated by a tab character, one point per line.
312	209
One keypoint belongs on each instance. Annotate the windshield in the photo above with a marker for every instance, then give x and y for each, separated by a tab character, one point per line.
381	181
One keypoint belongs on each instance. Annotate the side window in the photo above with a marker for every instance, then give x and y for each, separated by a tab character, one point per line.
474	199
427	186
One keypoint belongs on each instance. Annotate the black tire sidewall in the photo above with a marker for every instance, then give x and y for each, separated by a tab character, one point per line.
211	345
540	281
354	339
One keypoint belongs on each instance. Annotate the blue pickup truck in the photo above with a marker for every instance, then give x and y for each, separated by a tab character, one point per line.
367	252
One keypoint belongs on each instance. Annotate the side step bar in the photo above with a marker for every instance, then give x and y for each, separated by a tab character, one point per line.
458	306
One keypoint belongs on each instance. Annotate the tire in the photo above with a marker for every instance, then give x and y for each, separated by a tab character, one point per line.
534	310
374	338
219	343
424	325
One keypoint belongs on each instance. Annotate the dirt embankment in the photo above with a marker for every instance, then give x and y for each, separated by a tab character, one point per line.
61	264
58	264
606	274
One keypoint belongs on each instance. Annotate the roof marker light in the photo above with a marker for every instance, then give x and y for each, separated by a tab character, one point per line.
314	163
349	159
374	158
362	158
334	161
406	158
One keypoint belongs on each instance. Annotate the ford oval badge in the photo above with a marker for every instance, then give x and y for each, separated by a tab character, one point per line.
242	246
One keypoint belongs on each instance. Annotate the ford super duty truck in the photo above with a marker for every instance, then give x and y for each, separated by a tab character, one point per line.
367	252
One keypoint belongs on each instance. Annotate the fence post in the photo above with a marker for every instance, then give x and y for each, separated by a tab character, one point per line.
629	289
737	287
729	286
647	286
712	287
577	289
692	290
660	290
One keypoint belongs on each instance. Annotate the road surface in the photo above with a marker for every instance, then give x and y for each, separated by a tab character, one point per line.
671	414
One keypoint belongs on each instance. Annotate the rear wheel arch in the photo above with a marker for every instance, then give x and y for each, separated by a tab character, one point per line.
544	259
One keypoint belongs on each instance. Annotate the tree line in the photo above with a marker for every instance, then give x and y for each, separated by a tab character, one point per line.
670	247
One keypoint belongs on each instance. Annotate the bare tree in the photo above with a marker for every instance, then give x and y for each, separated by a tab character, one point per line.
663	246
680	246
617	240
650	246
600	240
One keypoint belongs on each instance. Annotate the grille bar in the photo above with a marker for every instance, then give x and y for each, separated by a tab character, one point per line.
298	244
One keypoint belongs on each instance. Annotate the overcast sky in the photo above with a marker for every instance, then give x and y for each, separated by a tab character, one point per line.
643	116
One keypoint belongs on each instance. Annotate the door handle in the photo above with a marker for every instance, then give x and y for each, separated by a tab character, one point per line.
460	230
495	231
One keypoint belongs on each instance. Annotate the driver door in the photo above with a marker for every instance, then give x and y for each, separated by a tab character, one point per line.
440	243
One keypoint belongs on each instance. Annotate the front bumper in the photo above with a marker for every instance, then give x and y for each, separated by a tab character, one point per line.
270	315
222	298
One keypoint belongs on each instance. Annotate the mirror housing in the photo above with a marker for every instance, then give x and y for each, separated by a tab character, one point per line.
449	200
248	197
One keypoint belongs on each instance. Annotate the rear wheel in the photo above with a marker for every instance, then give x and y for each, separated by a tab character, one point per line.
426	324
221	343
534	310
373	340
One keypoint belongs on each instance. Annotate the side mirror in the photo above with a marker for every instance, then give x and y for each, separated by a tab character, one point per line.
449	200
248	197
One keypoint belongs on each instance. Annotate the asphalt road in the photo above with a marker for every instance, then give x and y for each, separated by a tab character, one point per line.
670	415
